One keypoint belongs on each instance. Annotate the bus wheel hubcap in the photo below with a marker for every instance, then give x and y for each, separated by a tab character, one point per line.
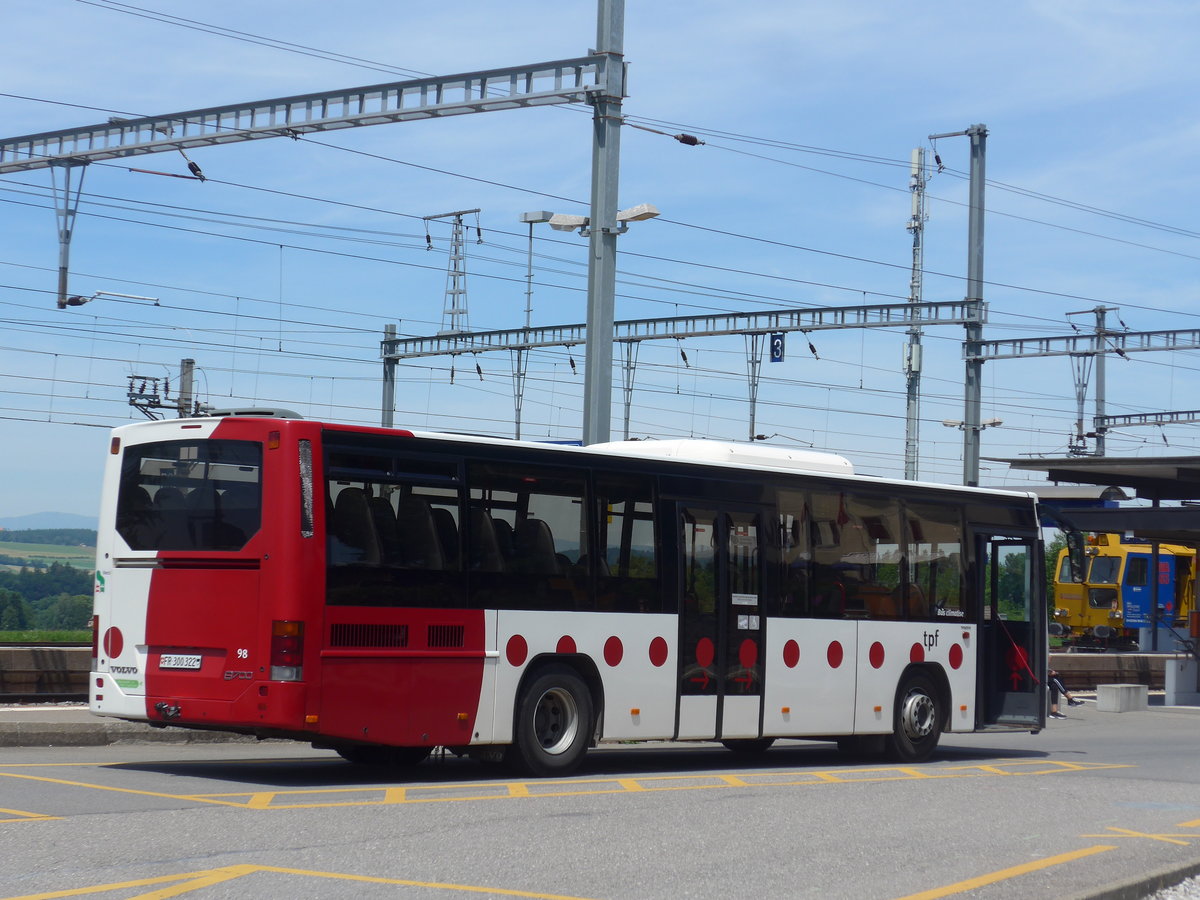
556	720
917	715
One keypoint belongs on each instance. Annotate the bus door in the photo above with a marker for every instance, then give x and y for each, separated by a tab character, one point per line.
720	622
1012	671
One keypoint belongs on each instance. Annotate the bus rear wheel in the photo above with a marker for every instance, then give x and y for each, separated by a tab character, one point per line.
553	723
389	757
917	720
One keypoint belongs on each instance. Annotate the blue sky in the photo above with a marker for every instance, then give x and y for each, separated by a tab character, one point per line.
278	274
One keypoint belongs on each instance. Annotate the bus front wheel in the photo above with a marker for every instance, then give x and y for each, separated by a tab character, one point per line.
553	723
917	720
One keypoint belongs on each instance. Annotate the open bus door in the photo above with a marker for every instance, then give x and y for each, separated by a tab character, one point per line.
1012	680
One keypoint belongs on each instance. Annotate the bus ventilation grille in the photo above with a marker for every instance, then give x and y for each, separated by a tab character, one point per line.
348	635
446	636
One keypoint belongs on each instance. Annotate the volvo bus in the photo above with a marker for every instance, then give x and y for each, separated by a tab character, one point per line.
385	592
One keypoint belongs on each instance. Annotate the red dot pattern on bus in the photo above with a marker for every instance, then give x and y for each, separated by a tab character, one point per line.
659	652
114	642
791	654
516	650
876	655
956	656
748	654
835	654
613	651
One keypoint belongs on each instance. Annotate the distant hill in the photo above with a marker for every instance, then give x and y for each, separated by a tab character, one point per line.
48	520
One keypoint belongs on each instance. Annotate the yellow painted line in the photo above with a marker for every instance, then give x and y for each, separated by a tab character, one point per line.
118	885
186	882
1004	874
1195	823
19	815
458	793
451	792
1125	832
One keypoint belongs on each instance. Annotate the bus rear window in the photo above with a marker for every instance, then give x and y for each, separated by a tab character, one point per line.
190	495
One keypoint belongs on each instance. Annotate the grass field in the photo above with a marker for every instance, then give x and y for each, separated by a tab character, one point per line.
79	557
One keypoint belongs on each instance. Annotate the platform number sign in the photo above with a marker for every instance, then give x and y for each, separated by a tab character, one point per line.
777	346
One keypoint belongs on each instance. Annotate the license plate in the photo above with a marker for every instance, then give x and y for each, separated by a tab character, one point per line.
179	661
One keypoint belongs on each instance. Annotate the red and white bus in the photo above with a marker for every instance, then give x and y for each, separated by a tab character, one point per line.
384	592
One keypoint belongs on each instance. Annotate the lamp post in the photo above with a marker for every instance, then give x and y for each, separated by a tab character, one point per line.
64	302
530	218
597	373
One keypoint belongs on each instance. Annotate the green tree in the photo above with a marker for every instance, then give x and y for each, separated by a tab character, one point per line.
14	611
64	612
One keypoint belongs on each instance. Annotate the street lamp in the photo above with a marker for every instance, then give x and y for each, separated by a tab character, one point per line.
64	302
567	222
597	375
962	426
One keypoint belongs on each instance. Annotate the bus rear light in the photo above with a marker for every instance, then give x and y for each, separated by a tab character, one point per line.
96	636
273	440
114	447
287	650
310	719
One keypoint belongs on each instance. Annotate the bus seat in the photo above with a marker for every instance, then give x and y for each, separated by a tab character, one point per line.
533	547
241	509
171	505
418	540
136	518
354	529
447	532
386	529
483	546
504	540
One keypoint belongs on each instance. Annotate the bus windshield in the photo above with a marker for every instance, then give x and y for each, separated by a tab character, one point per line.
190	495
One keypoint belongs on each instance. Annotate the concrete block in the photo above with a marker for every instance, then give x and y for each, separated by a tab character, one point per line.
1122	697
1182	682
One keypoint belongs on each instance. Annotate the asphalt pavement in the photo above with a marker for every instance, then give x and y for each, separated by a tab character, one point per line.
72	725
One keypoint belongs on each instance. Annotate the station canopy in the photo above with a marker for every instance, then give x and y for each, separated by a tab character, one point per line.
1162	478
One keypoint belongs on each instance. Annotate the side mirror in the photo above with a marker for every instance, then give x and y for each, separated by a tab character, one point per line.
1075	555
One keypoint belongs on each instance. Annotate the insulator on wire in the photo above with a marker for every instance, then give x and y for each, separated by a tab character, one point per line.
478	235
479	371
571	360
689	139
428	241
683	354
452	373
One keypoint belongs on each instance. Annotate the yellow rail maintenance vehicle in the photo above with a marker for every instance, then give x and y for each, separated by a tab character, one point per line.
1116	600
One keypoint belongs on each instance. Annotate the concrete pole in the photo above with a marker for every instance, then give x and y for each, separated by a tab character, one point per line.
973	384
602	237
187	369
388	408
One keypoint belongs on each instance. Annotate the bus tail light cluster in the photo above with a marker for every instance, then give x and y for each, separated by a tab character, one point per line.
287	650
95	640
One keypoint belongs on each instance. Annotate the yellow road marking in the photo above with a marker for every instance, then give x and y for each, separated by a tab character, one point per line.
186	882
19	815
1004	874
1125	832
454	792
